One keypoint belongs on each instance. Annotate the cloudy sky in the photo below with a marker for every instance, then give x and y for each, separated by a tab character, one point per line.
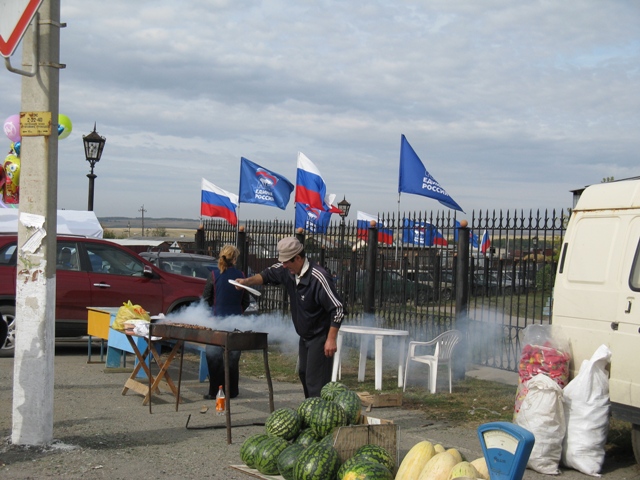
510	105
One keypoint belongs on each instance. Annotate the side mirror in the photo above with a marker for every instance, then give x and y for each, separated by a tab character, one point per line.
148	271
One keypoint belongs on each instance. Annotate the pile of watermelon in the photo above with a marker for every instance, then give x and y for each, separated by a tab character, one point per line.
298	444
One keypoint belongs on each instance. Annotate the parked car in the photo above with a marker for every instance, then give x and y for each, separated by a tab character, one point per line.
192	265
490	285
96	272
188	264
425	277
395	288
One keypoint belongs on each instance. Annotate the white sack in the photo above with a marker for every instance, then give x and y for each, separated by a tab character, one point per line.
542	413
586	410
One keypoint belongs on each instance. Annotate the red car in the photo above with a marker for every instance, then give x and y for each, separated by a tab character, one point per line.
95	272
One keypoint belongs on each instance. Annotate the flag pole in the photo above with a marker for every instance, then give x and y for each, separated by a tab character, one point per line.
397	229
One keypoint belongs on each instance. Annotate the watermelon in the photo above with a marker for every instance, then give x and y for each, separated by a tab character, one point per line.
351	404
328	439
250	447
367	470
283	422
304	409
330	390
317	462
266	460
325	416
348	463
377	454
307	437
287	460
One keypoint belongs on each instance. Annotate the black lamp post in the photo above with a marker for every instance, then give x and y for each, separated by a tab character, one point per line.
344	207
93	146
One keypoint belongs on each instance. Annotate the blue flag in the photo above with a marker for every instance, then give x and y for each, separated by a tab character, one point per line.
422	233
311	219
262	186
473	238
415	179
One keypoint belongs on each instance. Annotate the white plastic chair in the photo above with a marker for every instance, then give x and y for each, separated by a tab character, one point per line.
443	348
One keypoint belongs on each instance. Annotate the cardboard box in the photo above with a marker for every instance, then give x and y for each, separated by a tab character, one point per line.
371	430
346	440
380	400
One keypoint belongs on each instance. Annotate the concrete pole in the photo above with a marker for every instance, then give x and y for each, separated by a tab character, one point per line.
36	269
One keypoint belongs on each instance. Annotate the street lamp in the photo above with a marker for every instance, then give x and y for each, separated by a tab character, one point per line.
93	146
344	206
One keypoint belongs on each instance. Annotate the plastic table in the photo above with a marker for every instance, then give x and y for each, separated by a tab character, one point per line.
366	333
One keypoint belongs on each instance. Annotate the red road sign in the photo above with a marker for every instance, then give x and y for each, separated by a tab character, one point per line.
15	16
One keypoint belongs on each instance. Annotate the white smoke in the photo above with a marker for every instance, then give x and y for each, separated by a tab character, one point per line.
280	328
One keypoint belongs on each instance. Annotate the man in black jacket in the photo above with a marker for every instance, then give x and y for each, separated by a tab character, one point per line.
316	311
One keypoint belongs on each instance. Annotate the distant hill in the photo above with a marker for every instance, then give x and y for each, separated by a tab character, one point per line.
149	222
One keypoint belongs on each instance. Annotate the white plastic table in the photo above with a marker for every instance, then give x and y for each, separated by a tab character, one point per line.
366	333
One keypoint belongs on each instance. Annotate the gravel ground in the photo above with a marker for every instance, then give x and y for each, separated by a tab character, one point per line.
99	433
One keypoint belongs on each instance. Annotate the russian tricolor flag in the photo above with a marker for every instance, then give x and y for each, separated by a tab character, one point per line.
486	242
216	202
310	187
385	235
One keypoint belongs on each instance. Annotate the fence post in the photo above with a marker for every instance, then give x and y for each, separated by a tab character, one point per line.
370	274
200	240
241	245
462	301
322	257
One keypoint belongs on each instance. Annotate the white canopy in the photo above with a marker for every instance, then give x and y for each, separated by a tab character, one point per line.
70	222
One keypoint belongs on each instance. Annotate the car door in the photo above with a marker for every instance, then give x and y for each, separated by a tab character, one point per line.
116	276
72	284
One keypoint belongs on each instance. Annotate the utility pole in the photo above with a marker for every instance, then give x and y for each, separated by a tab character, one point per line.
32	419
142	210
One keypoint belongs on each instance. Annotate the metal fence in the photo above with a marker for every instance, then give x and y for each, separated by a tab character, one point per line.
410	282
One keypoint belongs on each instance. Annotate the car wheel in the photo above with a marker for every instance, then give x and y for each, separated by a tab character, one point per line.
445	294
9	314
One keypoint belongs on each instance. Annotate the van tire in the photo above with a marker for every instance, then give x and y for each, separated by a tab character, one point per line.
635	441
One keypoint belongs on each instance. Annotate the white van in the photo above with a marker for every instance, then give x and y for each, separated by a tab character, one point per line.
597	290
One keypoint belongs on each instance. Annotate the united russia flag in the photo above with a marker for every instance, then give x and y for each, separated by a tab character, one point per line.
216	202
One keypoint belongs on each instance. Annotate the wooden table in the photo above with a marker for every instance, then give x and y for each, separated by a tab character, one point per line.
153	384
366	333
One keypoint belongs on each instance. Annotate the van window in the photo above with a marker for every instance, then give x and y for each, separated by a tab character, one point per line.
591	252
634	278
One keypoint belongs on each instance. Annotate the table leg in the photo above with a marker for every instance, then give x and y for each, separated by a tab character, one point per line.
337	367
364	347
378	362
401	362
163	373
265	355
227	403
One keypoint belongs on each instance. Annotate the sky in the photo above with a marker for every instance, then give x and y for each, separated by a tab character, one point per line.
509	105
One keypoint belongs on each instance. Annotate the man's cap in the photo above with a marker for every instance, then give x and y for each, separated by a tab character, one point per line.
288	248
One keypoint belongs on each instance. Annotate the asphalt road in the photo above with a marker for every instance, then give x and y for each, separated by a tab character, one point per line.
100	433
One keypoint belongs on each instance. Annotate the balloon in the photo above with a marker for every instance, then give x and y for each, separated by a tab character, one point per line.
12	181
16	148
64	121
12	128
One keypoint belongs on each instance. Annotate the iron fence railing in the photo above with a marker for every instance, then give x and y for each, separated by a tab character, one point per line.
411	279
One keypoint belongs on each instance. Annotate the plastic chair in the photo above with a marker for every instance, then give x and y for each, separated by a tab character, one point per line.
443	348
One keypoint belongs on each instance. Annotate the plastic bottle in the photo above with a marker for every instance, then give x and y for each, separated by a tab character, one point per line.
220	401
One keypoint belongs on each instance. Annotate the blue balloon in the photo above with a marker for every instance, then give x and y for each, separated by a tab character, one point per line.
16	148
60	129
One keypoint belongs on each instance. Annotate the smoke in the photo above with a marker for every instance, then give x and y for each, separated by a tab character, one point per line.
280	328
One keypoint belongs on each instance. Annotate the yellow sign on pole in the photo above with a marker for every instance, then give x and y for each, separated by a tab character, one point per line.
35	124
